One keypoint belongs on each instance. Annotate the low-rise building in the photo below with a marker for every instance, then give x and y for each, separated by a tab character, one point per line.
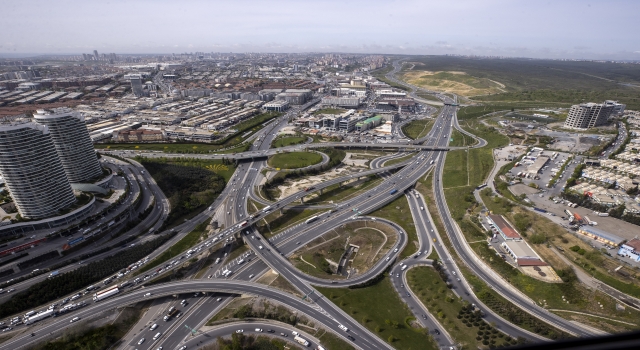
599	235
501	226
630	249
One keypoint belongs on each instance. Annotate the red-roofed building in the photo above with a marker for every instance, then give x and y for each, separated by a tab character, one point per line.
500	225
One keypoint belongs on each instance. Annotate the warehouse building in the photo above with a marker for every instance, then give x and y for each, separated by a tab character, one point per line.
599	235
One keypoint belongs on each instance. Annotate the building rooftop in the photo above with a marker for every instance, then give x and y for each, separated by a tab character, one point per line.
602	234
635	244
504	226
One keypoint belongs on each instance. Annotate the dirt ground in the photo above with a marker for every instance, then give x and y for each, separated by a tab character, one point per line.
294	186
520	189
544	273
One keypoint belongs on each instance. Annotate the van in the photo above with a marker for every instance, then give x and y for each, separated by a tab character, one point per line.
155	337
30	313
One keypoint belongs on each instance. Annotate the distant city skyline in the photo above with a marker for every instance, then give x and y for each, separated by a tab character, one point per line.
570	29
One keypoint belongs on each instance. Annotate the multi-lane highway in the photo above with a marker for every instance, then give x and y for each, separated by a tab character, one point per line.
231	205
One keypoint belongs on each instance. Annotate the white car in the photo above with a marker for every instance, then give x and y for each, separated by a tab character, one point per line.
239	331
147	295
75	319
153	327
141	341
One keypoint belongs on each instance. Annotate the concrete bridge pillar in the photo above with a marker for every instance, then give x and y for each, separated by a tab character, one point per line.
281	211
302	200
322	189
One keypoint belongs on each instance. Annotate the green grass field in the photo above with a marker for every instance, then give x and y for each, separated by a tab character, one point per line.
398	211
294	160
546	82
417	128
427	285
379	308
288	141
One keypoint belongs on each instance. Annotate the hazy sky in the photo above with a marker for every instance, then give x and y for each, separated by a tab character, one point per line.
551	29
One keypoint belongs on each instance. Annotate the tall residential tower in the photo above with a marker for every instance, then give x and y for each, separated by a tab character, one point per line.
73	144
588	115
32	171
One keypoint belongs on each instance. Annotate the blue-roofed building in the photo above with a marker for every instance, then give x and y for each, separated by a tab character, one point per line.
631	249
599	235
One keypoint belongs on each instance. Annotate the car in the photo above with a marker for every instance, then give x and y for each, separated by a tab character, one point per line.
75	319
240	331
147	295
271	331
184	347
219	299
424	316
284	334
259	330
153	327
351	338
408	294
436	331
7	329
141	341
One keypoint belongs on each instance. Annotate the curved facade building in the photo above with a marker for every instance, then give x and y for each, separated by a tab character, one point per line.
73	144
32	171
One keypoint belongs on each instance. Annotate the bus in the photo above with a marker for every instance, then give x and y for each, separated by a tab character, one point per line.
311	219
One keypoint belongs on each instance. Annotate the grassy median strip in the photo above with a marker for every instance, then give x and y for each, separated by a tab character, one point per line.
191	239
454	314
379	308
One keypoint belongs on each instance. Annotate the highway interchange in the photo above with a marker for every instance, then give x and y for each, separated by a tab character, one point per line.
231	205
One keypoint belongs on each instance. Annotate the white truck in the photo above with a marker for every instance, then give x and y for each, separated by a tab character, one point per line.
39	316
105	294
301	340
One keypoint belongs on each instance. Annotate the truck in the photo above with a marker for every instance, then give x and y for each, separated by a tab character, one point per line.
309	189
540	210
39	316
311	219
170	314
394	191
54	274
568	213
301	340
105	294
125	283
266	209
244	223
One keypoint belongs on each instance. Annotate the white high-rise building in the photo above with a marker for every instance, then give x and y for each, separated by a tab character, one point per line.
32	171
588	115
72	143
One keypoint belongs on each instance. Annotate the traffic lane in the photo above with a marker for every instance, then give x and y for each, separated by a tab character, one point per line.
188	286
207	307
399	282
280	331
280	252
